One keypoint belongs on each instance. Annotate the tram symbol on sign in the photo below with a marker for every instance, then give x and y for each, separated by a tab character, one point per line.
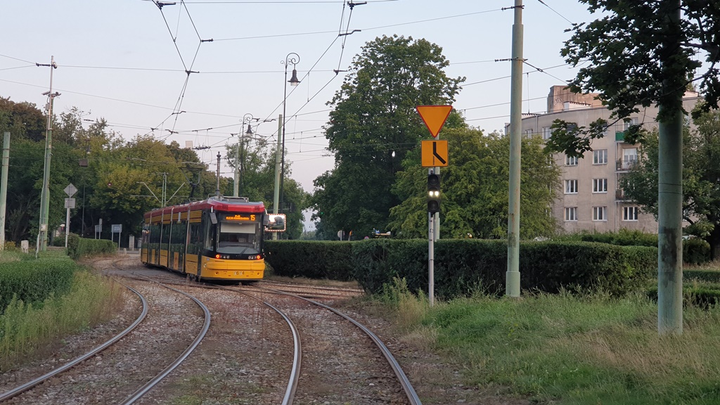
434	153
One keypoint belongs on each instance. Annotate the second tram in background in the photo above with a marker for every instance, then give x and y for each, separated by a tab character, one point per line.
220	238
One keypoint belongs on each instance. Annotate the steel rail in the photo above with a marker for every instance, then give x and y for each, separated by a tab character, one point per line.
399	373
19	390
152	383
297	350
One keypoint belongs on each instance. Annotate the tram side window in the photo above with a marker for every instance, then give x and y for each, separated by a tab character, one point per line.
178	236
195	243
209	233
166	234
155	233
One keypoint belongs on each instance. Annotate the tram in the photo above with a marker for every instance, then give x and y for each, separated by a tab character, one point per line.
218	239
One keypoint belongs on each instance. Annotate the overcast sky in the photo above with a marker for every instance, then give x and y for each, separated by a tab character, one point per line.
126	61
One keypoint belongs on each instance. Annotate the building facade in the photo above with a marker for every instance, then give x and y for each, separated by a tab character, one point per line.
590	198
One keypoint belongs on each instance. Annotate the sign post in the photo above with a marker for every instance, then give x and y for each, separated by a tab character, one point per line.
434	156
115	229
70	190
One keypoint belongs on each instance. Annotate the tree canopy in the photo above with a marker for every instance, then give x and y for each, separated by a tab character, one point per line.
117	180
635	56
373	125
475	189
701	178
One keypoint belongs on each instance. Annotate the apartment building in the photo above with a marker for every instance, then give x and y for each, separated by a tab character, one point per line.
590	198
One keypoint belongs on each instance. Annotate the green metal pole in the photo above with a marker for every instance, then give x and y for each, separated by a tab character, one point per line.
512	276
670	316
3	187
276	193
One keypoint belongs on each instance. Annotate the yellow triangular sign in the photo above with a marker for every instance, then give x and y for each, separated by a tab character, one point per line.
434	116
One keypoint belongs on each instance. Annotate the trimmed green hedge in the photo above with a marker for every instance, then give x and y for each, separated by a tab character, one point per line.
463	266
312	259
704	296
35	280
80	247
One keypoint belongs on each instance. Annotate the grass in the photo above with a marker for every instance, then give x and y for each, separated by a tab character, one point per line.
26	328
570	349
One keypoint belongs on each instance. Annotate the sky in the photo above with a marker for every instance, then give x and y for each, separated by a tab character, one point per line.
127	62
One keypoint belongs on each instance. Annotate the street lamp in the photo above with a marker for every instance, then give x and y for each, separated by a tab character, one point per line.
247	118
293	58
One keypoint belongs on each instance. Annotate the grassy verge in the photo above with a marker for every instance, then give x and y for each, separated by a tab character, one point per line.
565	349
24	328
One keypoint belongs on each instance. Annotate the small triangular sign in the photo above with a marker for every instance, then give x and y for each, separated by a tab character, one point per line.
434	116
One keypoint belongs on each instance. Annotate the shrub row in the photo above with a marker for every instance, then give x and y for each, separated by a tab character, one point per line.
463	266
80	247
311	259
703	296
695	250
35	280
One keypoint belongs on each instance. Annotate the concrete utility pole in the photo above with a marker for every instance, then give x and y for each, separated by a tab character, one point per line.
512	276
3	187
670	196
276	193
45	194
217	187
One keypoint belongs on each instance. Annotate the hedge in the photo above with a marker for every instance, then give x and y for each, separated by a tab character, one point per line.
463	266
80	247
35	280
312	259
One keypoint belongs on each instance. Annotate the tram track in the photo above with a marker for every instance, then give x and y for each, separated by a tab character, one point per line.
39	380
404	382
111	365
260	291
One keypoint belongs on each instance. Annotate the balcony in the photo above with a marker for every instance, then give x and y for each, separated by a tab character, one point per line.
623	165
620	194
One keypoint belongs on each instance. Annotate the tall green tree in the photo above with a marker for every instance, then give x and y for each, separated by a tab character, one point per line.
474	189
637	54
373	125
257	182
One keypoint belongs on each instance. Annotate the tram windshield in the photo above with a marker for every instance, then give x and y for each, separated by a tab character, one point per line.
239	237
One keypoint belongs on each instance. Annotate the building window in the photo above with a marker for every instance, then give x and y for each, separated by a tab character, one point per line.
571	160
629	158
599	213
599	186
600	157
571	186
627	124
571	214
546	132
630	213
528	133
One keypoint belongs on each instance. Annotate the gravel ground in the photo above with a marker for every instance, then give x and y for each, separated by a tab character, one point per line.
246	356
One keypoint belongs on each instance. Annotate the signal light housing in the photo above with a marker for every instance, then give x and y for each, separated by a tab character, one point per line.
433	198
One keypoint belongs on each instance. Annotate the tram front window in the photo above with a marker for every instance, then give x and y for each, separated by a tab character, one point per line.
239	238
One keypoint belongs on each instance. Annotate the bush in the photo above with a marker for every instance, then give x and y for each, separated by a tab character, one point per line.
32	281
79	247
624	237
463	267
312	259
696	251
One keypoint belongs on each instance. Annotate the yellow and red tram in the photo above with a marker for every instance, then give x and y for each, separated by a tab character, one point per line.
220	239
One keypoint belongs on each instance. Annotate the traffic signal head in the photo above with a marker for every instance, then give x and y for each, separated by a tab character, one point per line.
433	199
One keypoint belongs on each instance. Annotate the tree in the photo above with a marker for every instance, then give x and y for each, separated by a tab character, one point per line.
701	178
257	181
474	189
637	54
374	125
